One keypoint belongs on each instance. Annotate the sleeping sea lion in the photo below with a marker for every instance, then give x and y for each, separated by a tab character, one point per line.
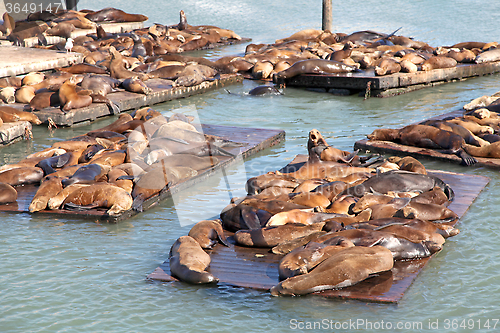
206	233
21	176
272	236
313	66
47	190
188	261
7	193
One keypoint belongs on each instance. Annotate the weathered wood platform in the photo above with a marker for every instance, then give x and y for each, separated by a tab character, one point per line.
387	147
257	268
16	60
13	132
253	140
162	92
390	85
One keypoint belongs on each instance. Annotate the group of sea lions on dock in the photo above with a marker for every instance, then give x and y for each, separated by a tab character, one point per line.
337	219
474	134
118	62
118	166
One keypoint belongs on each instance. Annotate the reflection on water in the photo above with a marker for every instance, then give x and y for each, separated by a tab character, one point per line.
77	275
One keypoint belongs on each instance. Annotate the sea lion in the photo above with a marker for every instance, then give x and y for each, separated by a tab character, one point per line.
25	94
288	246
52	162
47	190
303	259
117	67
264	90
188	261
21	176
44	100
114	15
262	69
437	62
387	66
426	137
299	216
7	193
10	114
408	163
399	181
345	268
488	56
135	85
313	66
489	151
274	235
311	199
255	185
84	69
85	174
206	233
101	195
342	54
8	94
56	201
70	99
62	29
457	128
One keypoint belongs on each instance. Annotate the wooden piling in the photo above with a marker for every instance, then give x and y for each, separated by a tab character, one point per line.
327	15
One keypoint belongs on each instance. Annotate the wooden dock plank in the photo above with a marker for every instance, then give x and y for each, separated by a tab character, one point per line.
162	92
394	84
257	268
17	60
253	140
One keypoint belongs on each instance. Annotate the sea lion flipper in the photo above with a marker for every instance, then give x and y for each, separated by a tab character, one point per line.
250	218
466	158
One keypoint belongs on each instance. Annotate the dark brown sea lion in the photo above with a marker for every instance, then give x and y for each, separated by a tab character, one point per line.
7	193
114	15
345	268
303	259
86	174
272	236
188	261
62	29
83	69
426	137
44	100
47	190
52	162
21	176
313	66
117	67
9	114
264	90
105	195
257	184
206	233
342	54
70	99
465	133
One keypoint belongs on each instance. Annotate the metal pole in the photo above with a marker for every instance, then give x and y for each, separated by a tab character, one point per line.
71	4
327	15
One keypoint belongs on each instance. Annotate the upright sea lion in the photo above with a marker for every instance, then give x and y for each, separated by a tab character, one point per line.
206	233
188	261
7	193
345	268
313	66
101	195
426	137
70	99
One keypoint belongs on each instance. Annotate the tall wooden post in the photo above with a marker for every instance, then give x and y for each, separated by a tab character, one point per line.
327	15
71	4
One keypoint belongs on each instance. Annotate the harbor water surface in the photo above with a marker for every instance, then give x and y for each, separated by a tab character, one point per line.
76	275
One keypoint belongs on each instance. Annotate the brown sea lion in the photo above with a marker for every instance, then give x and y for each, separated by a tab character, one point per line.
188	261
490	151
437	62
47	190
457	128
311	199
7	193
25	94
135	85
345	268
70	99
426	137
472	126
262	69
298	216
44	100
387	66
303	259
288	246
83	69
117	67
62	29
21	176
272	236
56	201
257	184
408	163
313	66
9	114
488	56
207	232
101	195
114	15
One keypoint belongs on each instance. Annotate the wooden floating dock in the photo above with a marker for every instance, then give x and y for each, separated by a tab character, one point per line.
257	268
162	92
390	85
17	60
388	147
253	140
13	132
